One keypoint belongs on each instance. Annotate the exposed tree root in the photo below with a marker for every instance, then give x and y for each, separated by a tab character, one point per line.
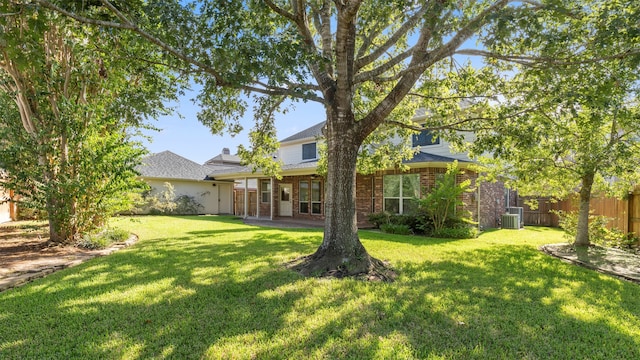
365	268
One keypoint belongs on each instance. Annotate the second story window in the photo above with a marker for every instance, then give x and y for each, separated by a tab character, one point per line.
425	138
309	151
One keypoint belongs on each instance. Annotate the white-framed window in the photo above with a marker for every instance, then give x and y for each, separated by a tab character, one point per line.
399	192
316	197
265	191
425	138
309	151
310	197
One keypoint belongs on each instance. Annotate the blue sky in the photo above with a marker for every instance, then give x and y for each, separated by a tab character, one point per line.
187	137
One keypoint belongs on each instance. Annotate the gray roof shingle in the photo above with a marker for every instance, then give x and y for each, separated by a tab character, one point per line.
310	132
422	157
223	159
168	165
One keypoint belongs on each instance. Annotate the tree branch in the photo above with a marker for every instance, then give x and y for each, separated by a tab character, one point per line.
367	38
280	11
533	61
374	73
129	25
279	91
452	97
408	25
420	61
82	19
322	21
468	30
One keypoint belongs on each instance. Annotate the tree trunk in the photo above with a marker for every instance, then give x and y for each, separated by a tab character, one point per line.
55	235
341	252
582	233
57	208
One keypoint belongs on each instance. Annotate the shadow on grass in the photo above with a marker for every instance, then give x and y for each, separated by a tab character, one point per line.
417	240
515	302
164	295
225	294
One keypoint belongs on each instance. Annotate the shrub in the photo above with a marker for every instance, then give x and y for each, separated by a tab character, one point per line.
28	213
386	218
378	219
464	232
102	239
165	202
186	204
399	229
442	202
424	223
598	232
409	220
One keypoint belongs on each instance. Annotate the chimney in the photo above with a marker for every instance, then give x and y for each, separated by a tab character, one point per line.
225	151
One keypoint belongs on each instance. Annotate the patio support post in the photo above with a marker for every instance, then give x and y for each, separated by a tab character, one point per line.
258	197
246	197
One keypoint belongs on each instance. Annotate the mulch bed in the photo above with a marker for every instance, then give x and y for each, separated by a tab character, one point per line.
26	254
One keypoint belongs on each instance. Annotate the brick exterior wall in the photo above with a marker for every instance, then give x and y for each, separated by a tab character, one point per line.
364	198
492	206
369	195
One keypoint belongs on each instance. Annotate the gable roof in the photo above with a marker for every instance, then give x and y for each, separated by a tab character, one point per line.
168	165
310	132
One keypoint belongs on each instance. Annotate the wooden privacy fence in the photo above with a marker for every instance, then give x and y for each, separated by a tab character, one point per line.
624	213
239	203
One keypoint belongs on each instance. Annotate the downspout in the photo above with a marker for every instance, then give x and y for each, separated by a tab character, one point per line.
478	203
217	197
258	197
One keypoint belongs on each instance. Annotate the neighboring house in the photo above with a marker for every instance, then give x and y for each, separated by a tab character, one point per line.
8	210
300	192
191	179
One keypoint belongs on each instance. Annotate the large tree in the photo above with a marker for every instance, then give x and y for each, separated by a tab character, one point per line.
573	125
579	133
71	101
369	63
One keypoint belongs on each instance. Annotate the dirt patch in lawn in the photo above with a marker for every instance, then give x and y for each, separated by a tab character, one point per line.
26	254
616	262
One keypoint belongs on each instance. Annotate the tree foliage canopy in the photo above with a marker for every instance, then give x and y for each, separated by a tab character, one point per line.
71	99
568	122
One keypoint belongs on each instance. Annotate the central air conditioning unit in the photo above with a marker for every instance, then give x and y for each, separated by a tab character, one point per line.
519	211
510	221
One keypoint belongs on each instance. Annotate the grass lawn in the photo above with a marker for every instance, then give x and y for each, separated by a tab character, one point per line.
212	287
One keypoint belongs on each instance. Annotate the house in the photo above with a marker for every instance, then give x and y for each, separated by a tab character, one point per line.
191	179
299	193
